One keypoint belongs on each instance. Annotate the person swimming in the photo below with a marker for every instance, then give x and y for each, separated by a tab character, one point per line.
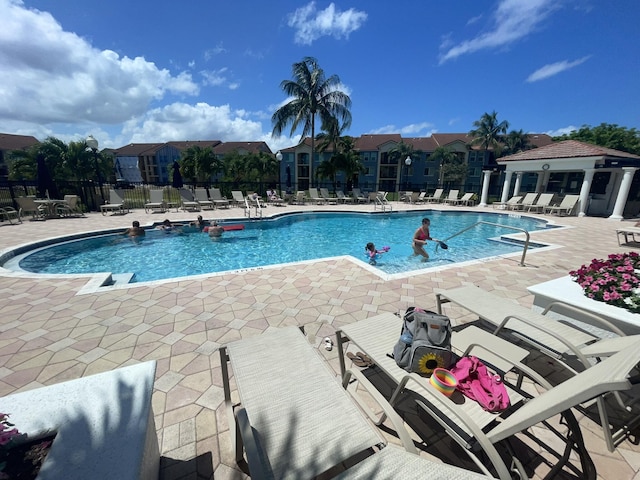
373	254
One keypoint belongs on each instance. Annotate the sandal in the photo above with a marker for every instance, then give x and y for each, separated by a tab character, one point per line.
366	358
328	344
357	360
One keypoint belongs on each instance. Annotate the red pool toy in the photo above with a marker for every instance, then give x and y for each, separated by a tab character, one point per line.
233	227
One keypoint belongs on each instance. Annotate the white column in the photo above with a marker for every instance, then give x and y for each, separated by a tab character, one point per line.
584	191
516	187
623	193
486	178
505	186
540	181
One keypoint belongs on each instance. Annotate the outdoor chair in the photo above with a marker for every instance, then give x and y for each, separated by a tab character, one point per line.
238	198
566	207
294	420
482	434
315	197
508	204
203	199
28	205
324	193
69	207
358	196
541	203
156	202
218	200
343	198
116	203
452	197
9	214
187	200
627	232
435	198
466	199
529	199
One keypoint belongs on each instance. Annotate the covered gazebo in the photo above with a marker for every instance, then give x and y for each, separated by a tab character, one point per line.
603	177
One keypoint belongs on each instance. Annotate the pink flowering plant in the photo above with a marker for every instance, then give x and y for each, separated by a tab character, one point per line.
615	281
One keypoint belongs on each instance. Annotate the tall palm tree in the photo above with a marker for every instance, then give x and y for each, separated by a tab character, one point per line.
312	95
447	161
488	132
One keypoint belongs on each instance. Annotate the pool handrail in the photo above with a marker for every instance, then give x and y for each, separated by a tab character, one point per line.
526	232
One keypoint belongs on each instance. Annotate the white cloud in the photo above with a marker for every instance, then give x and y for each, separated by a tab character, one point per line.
552	69
212	52
53	76
423	129
513	20
561	131
214	78
310	24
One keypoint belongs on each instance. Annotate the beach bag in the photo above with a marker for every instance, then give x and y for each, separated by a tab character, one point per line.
425	342
476	383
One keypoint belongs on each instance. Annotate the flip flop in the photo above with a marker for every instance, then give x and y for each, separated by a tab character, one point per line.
328	343
365	358
357	361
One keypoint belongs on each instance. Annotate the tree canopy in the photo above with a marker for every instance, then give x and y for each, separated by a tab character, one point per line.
607	135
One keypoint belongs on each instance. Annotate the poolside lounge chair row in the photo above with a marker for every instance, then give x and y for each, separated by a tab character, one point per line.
540	203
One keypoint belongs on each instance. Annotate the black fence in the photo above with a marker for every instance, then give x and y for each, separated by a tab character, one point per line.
93	195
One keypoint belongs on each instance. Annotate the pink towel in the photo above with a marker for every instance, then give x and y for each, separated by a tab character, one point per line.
475	382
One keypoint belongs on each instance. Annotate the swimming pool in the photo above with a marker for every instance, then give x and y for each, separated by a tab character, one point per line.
284	239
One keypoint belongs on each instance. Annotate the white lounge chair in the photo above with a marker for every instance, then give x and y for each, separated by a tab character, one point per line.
452	198
203	199
464	420
509	203
315	197
156	202
116	203
343	198
218	200
436	197
295	420
543	201
627	232
187	201
466	199
358	197
566	207
238	198
324	193
529	199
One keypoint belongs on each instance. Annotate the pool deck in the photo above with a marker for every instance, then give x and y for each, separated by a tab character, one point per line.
49	333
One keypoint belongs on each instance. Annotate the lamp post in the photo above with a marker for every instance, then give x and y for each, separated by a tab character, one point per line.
441	173
92	143
407	162
279	159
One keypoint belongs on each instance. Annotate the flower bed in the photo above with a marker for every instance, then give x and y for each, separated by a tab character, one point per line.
615	281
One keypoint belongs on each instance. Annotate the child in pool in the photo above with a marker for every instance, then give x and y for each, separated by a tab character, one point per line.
373	254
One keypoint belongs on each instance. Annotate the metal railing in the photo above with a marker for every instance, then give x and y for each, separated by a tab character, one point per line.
526	242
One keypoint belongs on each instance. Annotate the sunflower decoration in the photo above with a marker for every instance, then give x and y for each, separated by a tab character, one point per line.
429	362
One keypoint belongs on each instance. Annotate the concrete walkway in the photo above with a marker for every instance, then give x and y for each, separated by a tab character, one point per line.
49	333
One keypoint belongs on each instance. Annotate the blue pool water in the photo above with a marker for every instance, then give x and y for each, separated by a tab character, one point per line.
285	239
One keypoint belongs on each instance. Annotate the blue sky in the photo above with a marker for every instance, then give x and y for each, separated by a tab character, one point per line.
143	71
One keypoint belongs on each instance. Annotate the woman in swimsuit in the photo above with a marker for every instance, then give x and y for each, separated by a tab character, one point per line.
420	239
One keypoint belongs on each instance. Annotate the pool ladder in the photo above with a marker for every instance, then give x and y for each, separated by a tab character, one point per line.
382	202
526	242
247	208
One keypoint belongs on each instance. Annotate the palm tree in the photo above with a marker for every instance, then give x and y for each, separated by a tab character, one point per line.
347	159
488	132
199	163
516	141
447	160
312	95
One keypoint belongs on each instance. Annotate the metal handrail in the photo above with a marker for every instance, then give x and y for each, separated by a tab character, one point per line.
526	242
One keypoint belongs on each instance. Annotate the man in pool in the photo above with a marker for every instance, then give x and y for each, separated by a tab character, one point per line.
215	230
420	238
135	230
